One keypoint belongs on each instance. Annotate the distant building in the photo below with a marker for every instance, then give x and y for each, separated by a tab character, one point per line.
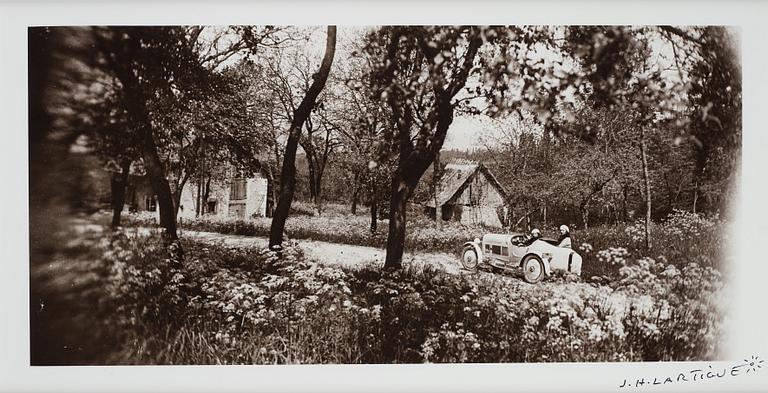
139	195
470	194
237	197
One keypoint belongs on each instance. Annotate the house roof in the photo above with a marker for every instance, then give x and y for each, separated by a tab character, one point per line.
456	177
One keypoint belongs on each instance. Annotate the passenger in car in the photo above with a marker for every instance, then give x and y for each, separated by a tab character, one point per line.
565	237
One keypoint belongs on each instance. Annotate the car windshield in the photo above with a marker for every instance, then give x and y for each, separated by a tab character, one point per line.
517	239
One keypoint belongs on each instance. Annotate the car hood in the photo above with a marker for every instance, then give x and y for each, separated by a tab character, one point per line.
497	238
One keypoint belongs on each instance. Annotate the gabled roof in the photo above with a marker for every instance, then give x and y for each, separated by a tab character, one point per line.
457	176
453	178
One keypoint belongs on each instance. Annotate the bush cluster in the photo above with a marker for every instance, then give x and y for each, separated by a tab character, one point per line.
682	238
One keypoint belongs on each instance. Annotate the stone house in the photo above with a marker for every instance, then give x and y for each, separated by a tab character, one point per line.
237	197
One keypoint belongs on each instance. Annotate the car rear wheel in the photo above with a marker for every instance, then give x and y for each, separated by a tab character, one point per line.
533	269
469	258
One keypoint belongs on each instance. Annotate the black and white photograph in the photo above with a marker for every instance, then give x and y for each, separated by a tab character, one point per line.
387	194
393	194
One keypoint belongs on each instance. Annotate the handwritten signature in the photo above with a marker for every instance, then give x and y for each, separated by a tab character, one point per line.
750	365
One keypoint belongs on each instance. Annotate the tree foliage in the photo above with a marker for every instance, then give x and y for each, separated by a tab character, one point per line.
593	124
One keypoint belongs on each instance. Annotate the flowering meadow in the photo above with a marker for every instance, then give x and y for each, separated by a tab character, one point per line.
239	305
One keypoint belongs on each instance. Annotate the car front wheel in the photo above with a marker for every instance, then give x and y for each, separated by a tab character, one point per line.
469	258
533	269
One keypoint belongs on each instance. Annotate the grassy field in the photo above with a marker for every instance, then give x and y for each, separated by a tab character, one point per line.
117	300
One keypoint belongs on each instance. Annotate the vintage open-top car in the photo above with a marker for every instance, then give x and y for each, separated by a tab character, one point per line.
537	256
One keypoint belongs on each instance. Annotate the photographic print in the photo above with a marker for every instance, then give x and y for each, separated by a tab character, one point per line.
257	195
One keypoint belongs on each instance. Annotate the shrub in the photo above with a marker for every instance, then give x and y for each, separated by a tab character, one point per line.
142	282
303	209
682	238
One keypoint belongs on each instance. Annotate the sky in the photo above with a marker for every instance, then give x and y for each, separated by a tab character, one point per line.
467	133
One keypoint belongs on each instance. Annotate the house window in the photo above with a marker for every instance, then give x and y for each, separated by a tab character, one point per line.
237	189
211	208
151	203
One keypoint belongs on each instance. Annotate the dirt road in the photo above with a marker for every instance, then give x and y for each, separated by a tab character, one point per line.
346	255
334	253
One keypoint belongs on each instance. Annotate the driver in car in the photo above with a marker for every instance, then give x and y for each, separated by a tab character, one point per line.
535	235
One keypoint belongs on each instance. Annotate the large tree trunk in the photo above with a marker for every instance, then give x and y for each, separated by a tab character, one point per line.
287	187
647	181
118	184
404	181
136	105
414	159
160	185
152	163
288	173
398	202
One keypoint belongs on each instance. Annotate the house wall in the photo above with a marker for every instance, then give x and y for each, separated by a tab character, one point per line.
219	193
478	204
139	194
254	204
481	215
